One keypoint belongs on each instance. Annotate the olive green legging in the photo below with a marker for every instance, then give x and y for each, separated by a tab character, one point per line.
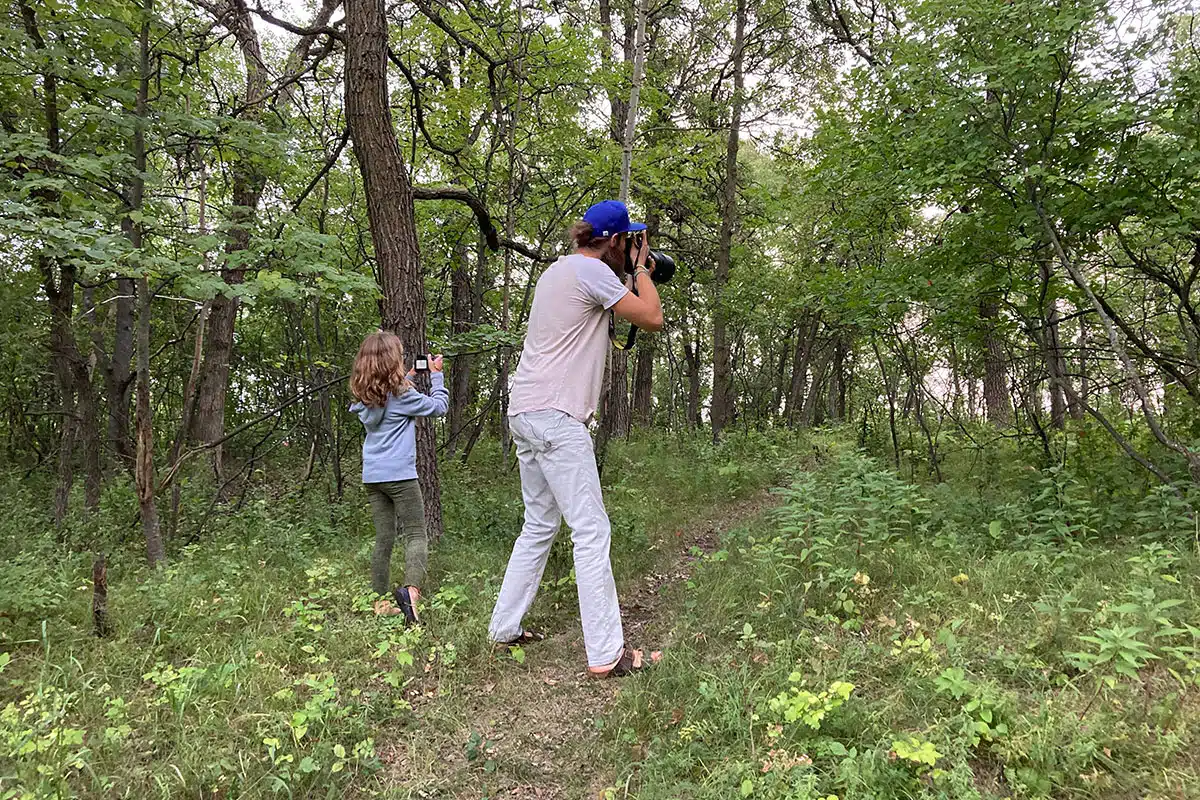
398	504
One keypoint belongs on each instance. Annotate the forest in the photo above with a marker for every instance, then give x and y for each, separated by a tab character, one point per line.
906	489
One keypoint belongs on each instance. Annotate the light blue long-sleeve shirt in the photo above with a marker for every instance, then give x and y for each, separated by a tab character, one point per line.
390	448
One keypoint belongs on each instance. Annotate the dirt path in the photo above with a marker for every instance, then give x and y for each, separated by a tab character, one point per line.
534	729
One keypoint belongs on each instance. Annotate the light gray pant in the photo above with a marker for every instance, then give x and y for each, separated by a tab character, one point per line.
559	479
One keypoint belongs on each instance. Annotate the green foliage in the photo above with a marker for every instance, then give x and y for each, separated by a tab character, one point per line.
254	664
960	647
800	705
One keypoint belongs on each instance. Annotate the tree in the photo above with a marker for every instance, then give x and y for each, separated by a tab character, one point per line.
390	209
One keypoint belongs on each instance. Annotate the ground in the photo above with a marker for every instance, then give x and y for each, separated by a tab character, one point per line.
537	724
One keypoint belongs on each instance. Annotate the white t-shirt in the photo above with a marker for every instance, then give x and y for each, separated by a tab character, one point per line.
562	362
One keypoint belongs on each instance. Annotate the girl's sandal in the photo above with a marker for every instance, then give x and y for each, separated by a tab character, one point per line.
385	608
631	662
404	600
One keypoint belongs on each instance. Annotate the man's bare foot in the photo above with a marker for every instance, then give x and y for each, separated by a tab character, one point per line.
629	663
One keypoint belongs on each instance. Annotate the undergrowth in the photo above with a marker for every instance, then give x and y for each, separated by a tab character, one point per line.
252	665
879	639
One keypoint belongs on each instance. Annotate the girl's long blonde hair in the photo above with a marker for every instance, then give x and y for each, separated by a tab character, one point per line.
379	369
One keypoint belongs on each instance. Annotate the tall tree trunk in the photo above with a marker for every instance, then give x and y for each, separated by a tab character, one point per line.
1052	350
248	183
780	382
890	386
117	368
805	339
389	210
995	372
118	374
78	409
460	366
80	420
723	391
692	356
812	412
144	469
616	416
634	95
643	383
1085	391
189	408
836	404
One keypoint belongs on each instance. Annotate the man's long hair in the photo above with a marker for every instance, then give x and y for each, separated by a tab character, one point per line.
583	235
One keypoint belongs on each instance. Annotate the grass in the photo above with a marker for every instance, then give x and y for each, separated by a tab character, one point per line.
252	665
990	653
1013	632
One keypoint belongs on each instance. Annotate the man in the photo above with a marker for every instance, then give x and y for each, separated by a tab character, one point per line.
554	394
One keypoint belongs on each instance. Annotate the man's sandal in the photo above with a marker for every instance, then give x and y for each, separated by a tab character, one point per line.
631	662
527	636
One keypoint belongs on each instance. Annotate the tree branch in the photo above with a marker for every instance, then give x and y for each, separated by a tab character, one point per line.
170	476
471	201
317	29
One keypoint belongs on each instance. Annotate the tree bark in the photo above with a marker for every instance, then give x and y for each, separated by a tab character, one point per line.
117	368
805	338
389	210
80	420
460	366
1056	367
189	408
836	403
995	372
779	388
723	399
643	383
616	416
813	410
248	182
691	355
144	471
144	421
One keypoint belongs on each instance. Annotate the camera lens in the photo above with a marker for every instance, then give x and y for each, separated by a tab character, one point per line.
664	267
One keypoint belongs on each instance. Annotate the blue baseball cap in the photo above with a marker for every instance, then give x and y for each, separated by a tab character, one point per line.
610	217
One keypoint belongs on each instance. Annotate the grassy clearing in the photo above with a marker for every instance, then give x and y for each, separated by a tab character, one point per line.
984	638
252	666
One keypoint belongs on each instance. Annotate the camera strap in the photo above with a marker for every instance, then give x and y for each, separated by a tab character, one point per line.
612	334
612	327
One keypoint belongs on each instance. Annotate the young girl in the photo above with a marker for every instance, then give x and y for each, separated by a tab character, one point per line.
387	404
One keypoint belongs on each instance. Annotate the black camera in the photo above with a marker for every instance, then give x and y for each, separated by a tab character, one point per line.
664	265
421	363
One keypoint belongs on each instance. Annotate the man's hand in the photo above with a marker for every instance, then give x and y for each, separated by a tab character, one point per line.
642	259
643	309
